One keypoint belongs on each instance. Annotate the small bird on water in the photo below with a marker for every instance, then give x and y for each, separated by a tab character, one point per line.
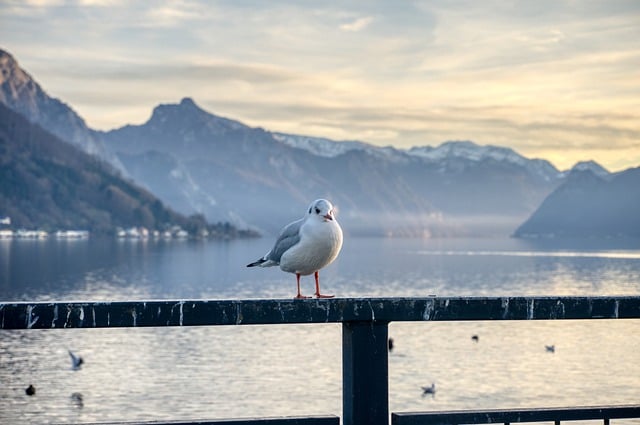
31	390
76	361
429	390
305	246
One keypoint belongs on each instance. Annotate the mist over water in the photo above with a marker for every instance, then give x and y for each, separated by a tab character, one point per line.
247	371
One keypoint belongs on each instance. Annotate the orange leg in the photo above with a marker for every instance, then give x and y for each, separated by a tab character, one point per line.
318	294
298	282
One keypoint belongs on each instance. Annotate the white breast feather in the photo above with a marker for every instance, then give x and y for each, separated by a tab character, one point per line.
320	243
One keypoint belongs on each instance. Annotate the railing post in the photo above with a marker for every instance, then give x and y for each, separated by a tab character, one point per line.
365	373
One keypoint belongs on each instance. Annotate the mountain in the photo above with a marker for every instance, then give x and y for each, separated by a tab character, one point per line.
50	184
21	93
592	166
199	162
589	205
471	152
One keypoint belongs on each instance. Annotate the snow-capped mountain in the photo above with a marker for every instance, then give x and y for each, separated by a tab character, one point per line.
319	146
592	166
330	148
476	153
442	154
467	150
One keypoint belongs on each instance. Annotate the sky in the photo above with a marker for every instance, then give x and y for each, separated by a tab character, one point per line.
552	79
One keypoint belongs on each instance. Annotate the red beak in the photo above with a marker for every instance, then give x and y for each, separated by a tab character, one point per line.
328	217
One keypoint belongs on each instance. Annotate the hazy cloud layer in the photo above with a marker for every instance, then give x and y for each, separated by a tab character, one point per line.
552	79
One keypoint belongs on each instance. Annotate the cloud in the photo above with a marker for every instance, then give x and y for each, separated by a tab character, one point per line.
202	73
172	14
542	76
357	25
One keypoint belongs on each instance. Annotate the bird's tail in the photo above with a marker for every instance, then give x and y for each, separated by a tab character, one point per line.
257	263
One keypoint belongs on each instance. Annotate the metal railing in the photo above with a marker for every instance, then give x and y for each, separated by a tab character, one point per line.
365	321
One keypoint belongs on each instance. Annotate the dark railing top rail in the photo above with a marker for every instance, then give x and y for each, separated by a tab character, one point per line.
44	315
307	420
552	414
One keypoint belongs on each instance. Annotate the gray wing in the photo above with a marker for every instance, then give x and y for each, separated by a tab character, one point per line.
289	236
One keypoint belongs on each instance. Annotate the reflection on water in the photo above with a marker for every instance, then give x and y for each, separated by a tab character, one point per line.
218	372
126	270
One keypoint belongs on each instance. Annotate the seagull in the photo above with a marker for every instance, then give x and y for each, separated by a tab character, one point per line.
429	390
305	246
550	348
76	361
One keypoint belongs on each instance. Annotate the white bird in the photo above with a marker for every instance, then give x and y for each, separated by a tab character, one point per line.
306	245
76	361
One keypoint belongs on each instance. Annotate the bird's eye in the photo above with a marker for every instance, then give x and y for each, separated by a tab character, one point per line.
317	210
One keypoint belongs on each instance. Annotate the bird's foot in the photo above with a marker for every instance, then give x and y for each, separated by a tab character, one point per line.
301	297
323	295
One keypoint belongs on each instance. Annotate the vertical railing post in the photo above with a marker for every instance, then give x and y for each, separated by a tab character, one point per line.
365	373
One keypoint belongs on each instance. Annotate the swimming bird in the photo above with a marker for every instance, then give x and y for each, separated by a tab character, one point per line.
76	361
77	400
306	245
550	348
429	390
31	390
390	344
475	338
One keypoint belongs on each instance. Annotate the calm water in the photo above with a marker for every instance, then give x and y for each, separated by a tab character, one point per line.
246	371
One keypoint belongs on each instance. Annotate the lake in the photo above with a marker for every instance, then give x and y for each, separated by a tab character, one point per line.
249	371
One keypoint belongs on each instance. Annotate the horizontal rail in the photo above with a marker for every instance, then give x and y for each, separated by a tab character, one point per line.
517	415
44	315
307	420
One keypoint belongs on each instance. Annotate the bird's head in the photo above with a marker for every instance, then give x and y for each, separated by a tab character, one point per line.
322	209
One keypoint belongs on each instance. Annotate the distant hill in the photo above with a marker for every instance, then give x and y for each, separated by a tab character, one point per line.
589	205
50	184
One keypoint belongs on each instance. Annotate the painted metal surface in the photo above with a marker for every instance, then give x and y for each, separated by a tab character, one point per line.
365	370
516	415
45	315
308	420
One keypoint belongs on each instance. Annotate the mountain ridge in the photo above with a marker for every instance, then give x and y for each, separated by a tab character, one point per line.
288	166
201	163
